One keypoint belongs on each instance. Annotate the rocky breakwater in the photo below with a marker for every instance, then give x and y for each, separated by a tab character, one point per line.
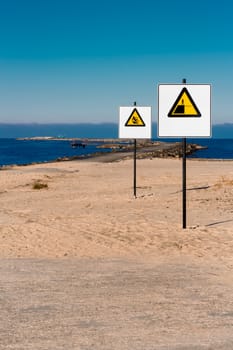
152	149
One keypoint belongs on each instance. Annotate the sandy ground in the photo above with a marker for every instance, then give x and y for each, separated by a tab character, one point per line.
85	265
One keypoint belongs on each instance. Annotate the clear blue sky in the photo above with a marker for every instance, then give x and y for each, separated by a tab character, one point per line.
79	60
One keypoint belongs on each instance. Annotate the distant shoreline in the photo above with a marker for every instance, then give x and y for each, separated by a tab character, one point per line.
81	139
119	149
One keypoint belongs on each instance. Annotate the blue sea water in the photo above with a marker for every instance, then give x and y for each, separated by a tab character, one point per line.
85	130
13	151
216	148
22	152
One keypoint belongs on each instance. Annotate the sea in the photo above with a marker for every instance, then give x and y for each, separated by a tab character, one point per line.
16	150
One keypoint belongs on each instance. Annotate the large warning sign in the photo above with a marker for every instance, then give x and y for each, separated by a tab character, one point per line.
184	106
184	110
135	119
135	122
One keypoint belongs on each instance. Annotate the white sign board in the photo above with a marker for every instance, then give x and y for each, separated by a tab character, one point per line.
184	110
135	122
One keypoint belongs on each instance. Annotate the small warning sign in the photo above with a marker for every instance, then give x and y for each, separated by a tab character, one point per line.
135	122
135	119
184	106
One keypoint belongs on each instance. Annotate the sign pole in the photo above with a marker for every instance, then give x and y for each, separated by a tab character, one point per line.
135	123
135	169
135	166
184	176
184	181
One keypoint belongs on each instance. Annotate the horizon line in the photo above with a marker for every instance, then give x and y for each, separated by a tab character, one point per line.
82	123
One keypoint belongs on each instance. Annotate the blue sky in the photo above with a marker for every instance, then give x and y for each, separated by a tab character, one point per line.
78	61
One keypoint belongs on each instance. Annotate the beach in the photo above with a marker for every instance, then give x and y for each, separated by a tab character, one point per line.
88	208
83	257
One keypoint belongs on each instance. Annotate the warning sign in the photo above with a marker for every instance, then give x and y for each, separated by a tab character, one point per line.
135	122
184	106
184	110
135	119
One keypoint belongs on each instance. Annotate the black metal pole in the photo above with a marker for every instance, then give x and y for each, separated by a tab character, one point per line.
135	166
184	181
135	169
184	176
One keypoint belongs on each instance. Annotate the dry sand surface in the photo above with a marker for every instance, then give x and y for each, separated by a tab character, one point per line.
84	265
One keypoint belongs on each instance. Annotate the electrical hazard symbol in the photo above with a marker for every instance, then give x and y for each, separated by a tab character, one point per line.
184	106
135	119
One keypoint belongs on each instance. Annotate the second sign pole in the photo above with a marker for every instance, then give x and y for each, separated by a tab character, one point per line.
184	175
135	166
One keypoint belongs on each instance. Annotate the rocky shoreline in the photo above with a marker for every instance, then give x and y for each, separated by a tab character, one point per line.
155	149
145	149
121	149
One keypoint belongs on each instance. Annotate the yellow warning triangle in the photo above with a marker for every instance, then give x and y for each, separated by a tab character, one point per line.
184	106
135	119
